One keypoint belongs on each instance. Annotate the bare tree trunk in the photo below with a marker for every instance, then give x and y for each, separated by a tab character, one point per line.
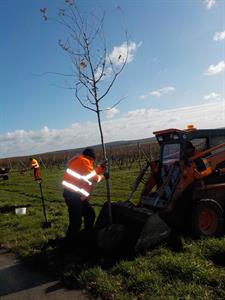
107	167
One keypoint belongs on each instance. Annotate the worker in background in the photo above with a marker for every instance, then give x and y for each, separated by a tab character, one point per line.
78	183
35	166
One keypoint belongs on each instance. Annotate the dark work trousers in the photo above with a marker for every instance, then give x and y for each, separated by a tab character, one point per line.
77	209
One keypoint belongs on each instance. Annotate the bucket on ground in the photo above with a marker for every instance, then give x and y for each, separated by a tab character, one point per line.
20	211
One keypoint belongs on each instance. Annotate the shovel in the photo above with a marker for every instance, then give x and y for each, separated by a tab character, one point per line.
46	223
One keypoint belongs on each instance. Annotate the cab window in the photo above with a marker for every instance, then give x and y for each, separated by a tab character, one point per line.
171	153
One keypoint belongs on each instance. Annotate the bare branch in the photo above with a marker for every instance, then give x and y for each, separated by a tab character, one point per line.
100	26
54	73
114	105
89	99
115	75
91	67
83	82
81	102
62	87
111	84
102	62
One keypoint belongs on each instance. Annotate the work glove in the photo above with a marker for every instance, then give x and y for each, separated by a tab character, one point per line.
106	175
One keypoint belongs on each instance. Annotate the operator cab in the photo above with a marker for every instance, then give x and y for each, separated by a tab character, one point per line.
173	144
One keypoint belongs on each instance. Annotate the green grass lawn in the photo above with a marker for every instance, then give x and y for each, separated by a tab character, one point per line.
18	231
197	272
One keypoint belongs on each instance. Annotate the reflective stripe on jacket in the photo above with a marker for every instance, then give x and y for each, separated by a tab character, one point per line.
34	164
80	175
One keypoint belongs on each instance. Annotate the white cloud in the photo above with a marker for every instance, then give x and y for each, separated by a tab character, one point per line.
163	91
118	56
158	93
219	36
120	53
215	69
210	3
142	97
212	97
111	112
135	124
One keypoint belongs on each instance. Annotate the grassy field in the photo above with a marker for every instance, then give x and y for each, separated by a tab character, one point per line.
197	272
24	234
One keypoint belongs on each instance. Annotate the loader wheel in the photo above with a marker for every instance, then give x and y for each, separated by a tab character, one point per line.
207	218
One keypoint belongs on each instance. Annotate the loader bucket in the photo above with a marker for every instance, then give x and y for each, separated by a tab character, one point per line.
154	232
133	228
112	238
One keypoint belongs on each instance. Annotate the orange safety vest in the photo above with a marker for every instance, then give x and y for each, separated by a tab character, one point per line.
80	175
34	164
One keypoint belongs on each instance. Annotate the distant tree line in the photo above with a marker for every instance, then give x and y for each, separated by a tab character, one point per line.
122	156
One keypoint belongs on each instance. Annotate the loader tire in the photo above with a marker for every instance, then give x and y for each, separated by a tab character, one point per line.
207	218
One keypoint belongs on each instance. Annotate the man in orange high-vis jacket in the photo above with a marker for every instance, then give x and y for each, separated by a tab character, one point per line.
78	183
35	166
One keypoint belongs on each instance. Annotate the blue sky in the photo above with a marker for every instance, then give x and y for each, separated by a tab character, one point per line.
174	77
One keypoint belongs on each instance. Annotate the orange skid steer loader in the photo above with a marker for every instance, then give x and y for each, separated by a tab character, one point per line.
189	195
